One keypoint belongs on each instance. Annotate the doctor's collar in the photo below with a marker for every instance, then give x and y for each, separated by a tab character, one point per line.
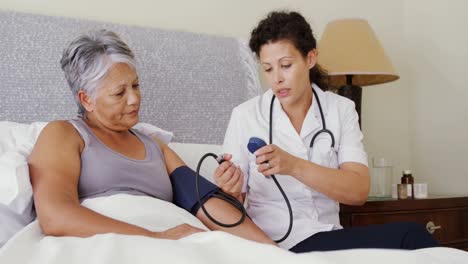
266	100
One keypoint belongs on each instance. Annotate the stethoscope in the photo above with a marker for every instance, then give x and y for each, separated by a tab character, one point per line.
324	130
234	201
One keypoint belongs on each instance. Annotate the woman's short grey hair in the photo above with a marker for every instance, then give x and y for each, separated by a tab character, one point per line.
87	59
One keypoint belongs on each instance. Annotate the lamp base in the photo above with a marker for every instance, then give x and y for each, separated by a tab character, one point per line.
354	93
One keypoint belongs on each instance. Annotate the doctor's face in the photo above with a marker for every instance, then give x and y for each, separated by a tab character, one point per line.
287	71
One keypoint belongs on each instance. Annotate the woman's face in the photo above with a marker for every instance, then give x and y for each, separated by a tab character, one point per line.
117	99
287	71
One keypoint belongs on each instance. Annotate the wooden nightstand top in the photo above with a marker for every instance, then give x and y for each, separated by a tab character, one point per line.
389	204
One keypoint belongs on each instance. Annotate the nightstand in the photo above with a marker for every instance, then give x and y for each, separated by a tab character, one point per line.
446	218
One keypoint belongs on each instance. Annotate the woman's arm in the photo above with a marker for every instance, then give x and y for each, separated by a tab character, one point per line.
227	171
171	159
54	166
219	209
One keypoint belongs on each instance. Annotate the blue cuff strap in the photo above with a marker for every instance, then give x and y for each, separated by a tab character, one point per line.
184	190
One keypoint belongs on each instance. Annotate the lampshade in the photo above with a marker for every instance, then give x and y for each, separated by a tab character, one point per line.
350	47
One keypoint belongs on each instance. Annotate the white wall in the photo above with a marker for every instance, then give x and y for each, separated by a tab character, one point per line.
436	39
388	110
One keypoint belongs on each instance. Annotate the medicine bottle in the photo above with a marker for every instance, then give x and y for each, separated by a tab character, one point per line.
407	178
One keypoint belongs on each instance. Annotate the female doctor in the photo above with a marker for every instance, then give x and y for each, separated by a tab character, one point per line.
315	176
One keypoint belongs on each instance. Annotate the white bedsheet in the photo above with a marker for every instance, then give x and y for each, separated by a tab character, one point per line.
31	246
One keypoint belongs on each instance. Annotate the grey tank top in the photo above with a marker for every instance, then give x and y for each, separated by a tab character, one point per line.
105	172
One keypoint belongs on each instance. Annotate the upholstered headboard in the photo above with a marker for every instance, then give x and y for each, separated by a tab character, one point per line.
190	82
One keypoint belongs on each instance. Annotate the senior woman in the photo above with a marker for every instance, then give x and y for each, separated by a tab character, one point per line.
98	154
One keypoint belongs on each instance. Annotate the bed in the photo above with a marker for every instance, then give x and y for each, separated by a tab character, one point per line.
194	77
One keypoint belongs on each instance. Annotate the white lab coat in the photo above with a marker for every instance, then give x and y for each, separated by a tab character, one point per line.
313	212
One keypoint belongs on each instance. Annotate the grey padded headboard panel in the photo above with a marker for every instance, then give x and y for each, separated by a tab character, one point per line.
190	82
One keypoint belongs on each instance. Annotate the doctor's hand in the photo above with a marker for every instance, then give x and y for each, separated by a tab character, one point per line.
271	159
229	177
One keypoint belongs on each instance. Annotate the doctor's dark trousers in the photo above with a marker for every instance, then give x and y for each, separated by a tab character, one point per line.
394	236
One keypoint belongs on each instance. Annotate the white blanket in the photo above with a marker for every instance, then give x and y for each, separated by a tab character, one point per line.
31	246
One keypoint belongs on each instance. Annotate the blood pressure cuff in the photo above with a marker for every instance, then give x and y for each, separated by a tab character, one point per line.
184	189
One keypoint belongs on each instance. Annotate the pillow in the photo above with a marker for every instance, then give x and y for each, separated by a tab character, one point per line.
15	187
16	143
19	137
11	223
151	130
191	154
7	140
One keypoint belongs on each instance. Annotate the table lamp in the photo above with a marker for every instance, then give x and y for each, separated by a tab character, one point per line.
351	53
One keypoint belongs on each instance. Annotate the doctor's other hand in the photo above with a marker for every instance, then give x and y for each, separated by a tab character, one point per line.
229	177
271	159
177	232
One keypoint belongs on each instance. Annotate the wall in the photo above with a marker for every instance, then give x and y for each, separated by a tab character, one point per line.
435	34
388	109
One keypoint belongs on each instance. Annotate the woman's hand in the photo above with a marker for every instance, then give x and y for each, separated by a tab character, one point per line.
229	177
271	159
177	232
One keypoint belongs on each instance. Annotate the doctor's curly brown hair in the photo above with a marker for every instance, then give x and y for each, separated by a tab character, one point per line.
284	25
